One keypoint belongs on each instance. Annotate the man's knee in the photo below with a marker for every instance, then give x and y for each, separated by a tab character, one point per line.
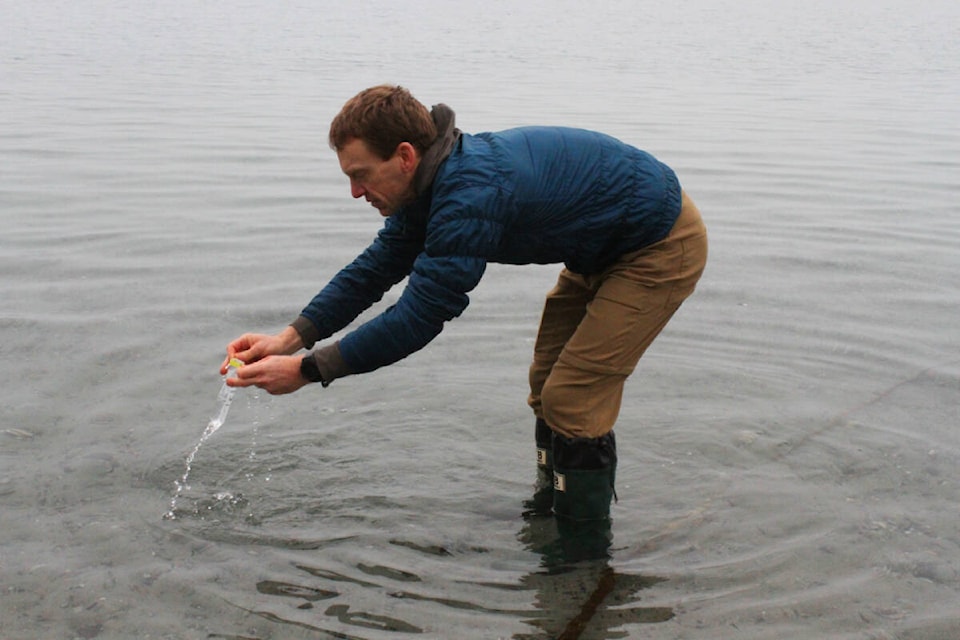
581	404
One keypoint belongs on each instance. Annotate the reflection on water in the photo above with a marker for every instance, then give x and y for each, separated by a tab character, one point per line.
349	581
577	589
574	592
561	541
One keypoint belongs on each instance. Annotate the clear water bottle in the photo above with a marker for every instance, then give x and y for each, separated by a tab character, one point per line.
224	398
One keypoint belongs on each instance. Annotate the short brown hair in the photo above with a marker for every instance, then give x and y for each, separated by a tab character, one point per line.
383	117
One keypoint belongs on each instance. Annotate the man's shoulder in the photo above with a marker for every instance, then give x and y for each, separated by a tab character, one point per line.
542	133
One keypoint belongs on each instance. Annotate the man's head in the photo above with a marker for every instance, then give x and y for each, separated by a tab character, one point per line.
383	117
380	136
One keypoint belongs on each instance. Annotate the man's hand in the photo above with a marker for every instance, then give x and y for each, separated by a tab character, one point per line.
274	374
251	347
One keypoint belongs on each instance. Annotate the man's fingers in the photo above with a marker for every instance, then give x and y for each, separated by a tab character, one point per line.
234	350
274	374
246	376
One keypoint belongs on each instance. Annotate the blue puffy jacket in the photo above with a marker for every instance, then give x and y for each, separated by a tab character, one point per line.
528	195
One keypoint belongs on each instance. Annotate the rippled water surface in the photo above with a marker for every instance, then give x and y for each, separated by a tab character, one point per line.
789	447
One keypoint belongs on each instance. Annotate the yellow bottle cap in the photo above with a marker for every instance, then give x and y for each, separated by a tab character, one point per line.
236	364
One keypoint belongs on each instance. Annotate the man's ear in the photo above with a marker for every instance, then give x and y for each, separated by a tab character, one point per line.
409	158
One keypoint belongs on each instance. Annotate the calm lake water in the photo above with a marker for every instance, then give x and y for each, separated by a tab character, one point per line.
789	447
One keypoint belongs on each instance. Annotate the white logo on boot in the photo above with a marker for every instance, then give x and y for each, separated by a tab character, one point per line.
559	481
542	457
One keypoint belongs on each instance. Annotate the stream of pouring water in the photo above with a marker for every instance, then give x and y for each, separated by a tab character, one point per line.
224	399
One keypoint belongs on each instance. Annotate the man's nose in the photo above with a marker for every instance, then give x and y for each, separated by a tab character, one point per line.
356	189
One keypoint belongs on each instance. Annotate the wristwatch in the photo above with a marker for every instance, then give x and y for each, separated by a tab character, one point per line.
310	371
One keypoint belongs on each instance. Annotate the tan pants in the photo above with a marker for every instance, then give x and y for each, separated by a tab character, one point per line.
595	328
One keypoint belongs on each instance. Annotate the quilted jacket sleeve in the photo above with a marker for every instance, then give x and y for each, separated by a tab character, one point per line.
436	292
387	261
454	258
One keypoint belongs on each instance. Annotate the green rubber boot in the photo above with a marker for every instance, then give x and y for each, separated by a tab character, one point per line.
544	438
583	477
542	501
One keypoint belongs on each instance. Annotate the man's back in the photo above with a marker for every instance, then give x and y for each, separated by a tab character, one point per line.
550	194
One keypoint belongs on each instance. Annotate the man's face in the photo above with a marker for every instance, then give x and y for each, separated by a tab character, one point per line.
385	184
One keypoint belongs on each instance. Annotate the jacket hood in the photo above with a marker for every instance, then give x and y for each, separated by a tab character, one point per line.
447	136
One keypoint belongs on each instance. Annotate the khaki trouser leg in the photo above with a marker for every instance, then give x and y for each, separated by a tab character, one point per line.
595	328
565	306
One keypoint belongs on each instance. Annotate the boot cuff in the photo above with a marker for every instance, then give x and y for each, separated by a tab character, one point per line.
584	453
